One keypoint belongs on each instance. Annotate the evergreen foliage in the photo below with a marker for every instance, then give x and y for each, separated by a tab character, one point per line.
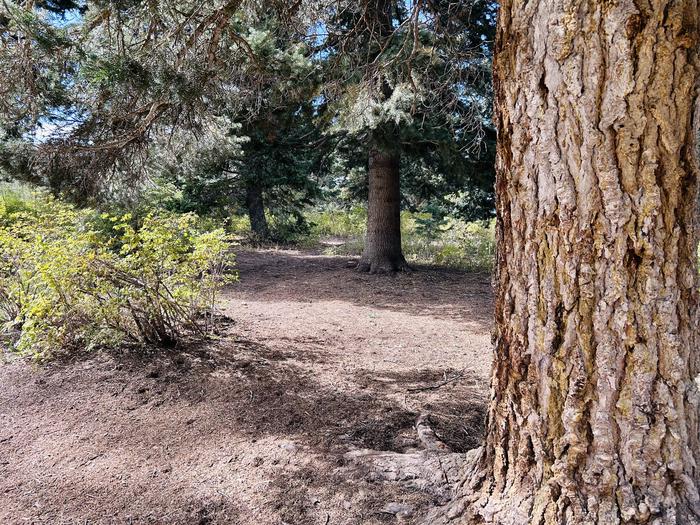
420	86
92	88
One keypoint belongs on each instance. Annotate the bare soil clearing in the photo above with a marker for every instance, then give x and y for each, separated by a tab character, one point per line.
255	428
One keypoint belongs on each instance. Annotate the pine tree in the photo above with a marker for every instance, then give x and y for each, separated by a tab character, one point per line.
405	80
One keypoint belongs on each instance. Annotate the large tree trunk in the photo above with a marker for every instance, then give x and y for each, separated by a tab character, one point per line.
256	211
382	251
594	408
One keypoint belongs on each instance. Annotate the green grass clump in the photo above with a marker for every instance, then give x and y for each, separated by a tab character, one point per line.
15	198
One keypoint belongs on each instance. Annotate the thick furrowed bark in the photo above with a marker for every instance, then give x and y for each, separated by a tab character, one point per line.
382	251
594	410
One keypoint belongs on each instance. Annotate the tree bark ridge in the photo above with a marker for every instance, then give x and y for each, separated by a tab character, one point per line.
593	416
383	251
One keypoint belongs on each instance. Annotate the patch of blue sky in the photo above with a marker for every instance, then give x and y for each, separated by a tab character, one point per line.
66	19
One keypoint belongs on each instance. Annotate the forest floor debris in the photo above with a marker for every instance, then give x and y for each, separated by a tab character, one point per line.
320	365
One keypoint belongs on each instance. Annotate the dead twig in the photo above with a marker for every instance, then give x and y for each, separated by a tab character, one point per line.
437	385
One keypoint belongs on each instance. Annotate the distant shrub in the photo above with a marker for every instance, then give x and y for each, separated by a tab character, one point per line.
450	242
72	279
239	226
339	222
457	244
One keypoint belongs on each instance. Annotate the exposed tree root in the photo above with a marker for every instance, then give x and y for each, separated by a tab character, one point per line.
427	436
434	470
456	509
451	478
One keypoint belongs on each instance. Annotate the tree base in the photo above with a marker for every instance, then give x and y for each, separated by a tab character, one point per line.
460	486
474	502
462	497
435	470
374	265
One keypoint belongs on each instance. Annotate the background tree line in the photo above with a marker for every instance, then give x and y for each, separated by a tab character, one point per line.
221	108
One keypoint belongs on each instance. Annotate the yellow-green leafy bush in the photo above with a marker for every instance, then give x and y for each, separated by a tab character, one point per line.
70	279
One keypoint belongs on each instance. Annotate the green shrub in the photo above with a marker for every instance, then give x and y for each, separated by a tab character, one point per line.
457	244
14	198
339	222
71	279
451	242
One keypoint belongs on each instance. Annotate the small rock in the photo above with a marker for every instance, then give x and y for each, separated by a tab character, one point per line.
400	510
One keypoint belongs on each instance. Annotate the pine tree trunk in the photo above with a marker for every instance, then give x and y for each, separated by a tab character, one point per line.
382	251
256	211
593	416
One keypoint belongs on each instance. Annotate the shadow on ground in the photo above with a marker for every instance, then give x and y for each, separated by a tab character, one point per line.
128	433
254	426
428	291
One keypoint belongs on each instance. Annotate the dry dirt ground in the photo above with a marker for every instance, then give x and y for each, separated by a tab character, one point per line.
255	427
